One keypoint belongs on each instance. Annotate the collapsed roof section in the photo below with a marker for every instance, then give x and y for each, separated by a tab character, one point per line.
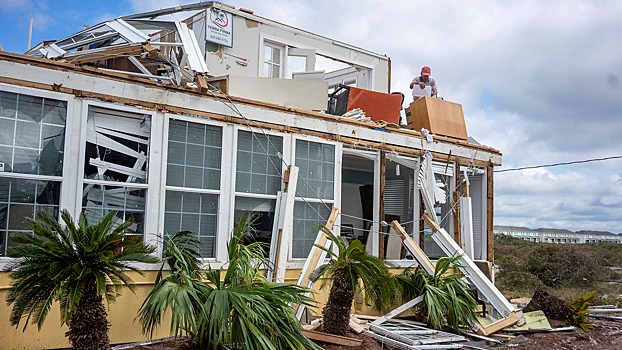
143	45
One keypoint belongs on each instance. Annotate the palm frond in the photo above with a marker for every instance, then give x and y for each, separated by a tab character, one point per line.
59	262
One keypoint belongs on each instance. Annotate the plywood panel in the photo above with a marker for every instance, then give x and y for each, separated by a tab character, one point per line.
439	117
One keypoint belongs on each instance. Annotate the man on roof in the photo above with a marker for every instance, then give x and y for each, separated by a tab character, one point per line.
418	85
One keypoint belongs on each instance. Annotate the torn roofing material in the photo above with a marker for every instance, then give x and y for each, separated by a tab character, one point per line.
166	51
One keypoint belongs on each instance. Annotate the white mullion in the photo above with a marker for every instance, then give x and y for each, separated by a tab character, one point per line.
71	188
375	227
337	185
162	183
234	131
192	190
156	177
254	195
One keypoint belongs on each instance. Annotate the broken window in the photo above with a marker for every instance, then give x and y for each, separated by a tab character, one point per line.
359	205
443	174
477	191
258	179
399	203
316	186
32	137
115	166
193	182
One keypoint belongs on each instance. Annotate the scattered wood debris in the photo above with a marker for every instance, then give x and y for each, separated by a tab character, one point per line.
331	338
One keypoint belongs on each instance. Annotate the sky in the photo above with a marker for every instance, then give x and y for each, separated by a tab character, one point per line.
538	80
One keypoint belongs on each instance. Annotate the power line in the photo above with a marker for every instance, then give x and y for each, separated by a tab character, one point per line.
558	164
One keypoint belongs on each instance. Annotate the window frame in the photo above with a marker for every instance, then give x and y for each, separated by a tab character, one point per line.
220	244
286	151
65	190
286	46
408	161
152	184
299	262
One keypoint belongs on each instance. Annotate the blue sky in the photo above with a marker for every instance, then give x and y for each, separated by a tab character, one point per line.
538	79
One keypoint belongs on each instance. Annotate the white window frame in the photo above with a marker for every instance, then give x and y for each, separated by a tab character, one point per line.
220	245
372	245
299	262
413	163
154	164
288	48
64	201
233	174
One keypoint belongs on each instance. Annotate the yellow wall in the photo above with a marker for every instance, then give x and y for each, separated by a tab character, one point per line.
123	327
121	315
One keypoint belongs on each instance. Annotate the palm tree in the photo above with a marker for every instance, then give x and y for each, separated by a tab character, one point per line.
76	266
447	300
233	307
348	266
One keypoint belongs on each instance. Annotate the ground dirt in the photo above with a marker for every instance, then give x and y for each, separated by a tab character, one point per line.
606	335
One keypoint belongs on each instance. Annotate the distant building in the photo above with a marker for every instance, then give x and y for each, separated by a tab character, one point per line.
551	235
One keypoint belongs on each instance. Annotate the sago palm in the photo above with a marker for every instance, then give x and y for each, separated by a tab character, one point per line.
76	265
448	301
233	307
352	271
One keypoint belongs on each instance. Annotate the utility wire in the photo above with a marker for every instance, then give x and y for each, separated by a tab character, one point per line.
558	164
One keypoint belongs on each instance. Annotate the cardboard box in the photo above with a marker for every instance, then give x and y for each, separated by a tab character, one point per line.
438	116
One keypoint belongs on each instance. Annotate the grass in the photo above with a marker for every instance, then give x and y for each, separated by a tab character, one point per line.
568	271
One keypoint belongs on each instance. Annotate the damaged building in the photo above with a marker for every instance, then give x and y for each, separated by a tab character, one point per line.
188	118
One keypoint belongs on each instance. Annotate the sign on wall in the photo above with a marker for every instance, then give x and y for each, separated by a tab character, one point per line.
220	27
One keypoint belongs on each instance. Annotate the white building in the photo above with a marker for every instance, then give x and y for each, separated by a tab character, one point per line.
549	235
125	116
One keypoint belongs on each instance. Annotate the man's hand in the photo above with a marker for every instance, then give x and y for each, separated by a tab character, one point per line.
422	85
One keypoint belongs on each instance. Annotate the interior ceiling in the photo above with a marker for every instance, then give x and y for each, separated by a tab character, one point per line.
351	162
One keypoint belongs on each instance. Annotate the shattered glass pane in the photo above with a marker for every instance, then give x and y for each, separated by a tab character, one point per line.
54	112
7	130
127	202
117	146
8	104
35	146
263	209
21	198
30	108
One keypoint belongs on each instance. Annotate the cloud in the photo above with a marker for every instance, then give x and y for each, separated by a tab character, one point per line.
538	80
8	6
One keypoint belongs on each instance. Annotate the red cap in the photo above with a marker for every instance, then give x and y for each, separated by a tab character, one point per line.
426	70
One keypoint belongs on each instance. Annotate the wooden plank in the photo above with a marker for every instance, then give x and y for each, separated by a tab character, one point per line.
439	117
481	337
313	324
355	326
331	338
490	203
413	248
497	325
316	256
398	310
282	232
